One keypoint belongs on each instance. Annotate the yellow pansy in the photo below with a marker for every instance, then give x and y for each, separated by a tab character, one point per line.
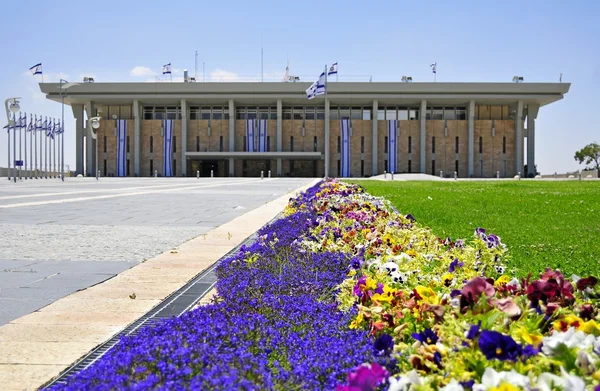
412	253
357	321
386	296
534	338
568	321
504	386
370	283
502	280
447	279
590	327
427	294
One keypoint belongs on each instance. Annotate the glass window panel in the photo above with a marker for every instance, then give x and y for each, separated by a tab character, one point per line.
298	113
402	114
449	113
380	114
310	113
413	114
390	113
366	114
356	114
287	113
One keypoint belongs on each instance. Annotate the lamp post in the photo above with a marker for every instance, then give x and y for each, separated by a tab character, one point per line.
63	86
13	108
95	124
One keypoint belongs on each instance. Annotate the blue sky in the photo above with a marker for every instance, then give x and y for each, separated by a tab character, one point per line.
470	41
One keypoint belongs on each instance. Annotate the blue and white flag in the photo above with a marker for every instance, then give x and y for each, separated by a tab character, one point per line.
318	87
262	135
50	130
38	123
168	147
345	155
392	146
59	128
36	69
250	123
434	67
121	147
332	69
167	69
44	127
31	125
24	121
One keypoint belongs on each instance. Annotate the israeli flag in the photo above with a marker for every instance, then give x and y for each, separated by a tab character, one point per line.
433	67
345	155
167	69
333	69
392	146
31	125
50	130
38	123
121	147
168	148
44	125
262	135
36	69
250	123
318	87
59	128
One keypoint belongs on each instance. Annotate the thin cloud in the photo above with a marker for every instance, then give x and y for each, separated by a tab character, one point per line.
141	71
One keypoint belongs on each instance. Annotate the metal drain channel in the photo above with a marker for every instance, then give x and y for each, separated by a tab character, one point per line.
175	304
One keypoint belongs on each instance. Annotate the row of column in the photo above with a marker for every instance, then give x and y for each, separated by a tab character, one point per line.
531	114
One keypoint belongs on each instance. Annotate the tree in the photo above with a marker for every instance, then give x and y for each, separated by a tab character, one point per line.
590	155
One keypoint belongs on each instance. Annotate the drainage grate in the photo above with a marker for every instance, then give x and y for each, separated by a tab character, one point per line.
174	305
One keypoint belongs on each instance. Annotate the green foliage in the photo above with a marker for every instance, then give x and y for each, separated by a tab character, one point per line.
544	224
590	155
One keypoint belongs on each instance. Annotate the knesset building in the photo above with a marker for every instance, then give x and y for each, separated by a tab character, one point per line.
473	129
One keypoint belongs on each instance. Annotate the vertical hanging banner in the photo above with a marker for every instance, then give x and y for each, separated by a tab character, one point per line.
262	135
345	156
168	148
121	147
250	135
392	148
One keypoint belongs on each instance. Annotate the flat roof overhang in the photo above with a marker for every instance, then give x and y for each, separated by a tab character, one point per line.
393	93
254	155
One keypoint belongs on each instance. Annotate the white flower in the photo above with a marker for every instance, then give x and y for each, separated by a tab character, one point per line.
389	267
515	283
453	386
402	257
571	338
572	383
491	378
585	363
549	382
404	382
398	277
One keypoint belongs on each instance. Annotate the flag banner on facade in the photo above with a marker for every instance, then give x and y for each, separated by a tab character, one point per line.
333	69
262	135
168	147
36	69
392	147
167	69
345	155
250	123
121	147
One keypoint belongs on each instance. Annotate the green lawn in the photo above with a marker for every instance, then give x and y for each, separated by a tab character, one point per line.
544	224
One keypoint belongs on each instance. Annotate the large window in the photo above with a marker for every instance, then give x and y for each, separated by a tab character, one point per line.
162	112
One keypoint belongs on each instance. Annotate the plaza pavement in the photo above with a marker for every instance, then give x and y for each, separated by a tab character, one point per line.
60	238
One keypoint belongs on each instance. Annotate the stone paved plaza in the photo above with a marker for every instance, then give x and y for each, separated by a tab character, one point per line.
58	238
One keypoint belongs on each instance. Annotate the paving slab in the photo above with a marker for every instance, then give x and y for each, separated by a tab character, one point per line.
82	319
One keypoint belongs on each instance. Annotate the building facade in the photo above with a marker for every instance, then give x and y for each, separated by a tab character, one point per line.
473	129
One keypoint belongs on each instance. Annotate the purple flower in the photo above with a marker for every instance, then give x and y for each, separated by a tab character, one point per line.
384	345
529	351
365	378
473	330
468	384
379	288
454	264
410	217
428	337
460	243
497	345
437	359
480	232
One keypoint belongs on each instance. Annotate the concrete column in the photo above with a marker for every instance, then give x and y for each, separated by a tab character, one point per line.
519	139
532	112
136	138
327	138
79	134
279	135
423	115
184	126
231	135
90	151
374	124
471	138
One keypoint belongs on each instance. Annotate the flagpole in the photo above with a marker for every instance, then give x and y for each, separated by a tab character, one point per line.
327	138
8	145
15	148
25	136
20	146
34	130
46	150
54	146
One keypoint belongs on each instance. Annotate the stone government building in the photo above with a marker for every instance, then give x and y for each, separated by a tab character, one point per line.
475	129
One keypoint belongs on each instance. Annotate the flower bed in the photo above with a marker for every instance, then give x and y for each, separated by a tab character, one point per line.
346	293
